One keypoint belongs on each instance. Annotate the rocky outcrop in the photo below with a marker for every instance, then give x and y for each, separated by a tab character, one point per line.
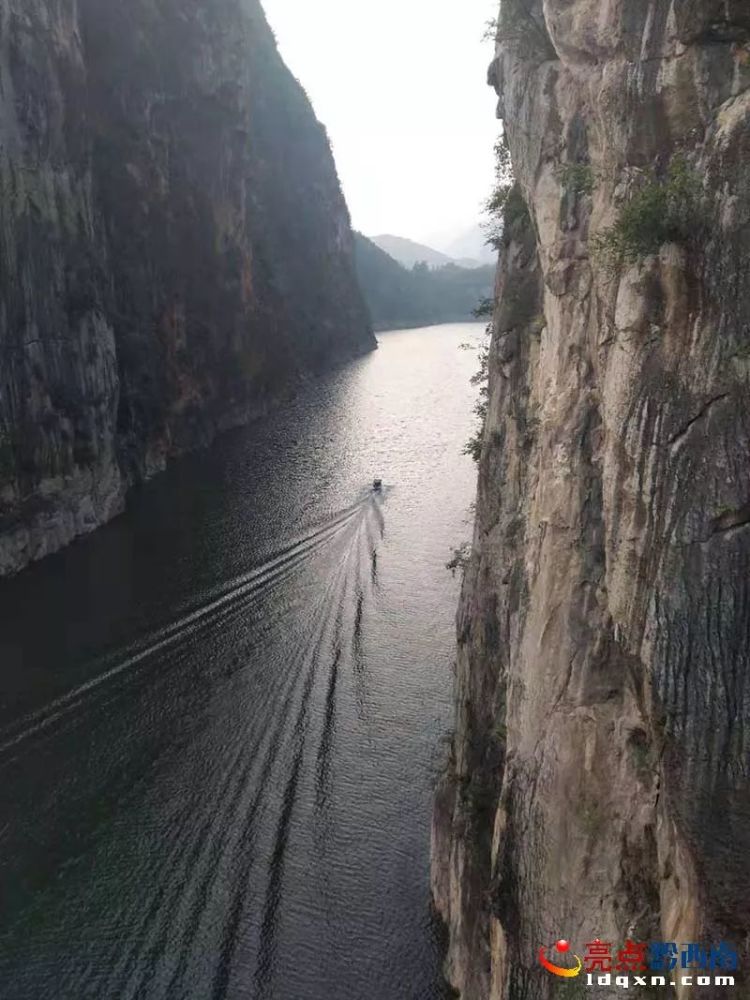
175	250
599	780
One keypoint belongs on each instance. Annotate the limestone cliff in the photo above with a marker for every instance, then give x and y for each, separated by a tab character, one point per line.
599	780
175	250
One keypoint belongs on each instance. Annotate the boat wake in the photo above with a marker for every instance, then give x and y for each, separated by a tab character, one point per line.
204	908
212	609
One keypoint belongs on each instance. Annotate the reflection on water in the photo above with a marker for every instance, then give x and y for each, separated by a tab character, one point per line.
220	715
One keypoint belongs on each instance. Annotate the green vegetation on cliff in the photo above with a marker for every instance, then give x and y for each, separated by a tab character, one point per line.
663	210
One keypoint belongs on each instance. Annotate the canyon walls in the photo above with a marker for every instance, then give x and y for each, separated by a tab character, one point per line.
175	250
599	778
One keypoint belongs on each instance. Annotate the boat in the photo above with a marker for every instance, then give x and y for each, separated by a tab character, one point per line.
377	485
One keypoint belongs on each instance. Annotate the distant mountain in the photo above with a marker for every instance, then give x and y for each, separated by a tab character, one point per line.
469	245
423	296
408	253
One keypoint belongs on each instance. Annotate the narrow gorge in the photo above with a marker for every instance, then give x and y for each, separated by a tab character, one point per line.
175	250
598	785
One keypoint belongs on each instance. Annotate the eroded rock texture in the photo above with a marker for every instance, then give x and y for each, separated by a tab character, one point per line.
599	779
175	250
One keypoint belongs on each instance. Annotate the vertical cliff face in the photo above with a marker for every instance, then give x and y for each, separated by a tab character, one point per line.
598	785
175	249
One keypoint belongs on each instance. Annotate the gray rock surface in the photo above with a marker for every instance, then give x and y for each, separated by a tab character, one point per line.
599	780
175	251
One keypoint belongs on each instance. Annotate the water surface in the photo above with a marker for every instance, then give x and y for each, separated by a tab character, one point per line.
221	715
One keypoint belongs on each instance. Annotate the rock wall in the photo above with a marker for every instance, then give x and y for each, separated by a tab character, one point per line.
599	779
175	250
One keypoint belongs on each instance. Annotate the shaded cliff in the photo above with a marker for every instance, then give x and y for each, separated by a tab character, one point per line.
599	779
176	251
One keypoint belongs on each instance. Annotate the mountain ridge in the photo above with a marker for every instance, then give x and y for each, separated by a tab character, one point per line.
423	296
408	252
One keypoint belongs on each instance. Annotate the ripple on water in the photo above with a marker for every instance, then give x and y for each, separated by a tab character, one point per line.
217	754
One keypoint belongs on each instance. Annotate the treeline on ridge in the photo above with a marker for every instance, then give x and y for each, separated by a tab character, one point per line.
397	297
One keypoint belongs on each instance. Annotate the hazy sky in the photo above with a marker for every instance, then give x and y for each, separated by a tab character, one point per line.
401	87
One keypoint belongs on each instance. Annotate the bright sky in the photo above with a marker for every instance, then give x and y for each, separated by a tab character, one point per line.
401	87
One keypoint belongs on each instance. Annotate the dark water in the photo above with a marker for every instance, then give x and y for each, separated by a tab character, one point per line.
221	715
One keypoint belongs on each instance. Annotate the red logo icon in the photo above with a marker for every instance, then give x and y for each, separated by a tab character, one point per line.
563	947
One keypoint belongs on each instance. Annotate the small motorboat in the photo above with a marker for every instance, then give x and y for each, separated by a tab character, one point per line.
377	485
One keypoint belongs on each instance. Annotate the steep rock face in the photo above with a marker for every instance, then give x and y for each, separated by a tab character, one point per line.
598	785
175	248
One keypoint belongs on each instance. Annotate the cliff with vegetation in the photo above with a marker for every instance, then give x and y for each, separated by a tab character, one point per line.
599	778
175	249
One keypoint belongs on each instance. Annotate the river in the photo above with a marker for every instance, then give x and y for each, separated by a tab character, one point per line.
221	715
